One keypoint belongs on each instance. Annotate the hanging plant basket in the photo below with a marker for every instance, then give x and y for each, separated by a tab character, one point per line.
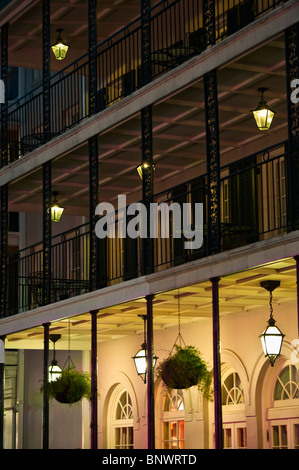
185	368
70	387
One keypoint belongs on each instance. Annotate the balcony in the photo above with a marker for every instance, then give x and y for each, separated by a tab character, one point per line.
254	206
177	34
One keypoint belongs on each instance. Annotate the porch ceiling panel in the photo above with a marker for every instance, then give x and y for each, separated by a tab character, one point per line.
25	30
238	292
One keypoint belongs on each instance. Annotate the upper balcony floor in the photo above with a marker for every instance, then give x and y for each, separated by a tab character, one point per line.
255	205
178	32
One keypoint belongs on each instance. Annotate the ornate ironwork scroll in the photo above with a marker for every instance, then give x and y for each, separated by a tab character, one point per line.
93	202
147	184
145	41
4	71
3	249
213	161
46	38
92	51
47	233
209	22
292	73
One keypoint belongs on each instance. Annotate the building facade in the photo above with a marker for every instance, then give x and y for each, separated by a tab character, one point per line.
150	108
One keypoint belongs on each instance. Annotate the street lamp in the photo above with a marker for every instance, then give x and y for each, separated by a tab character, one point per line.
56	209
59	48
54	370
272	336
140	358
262	114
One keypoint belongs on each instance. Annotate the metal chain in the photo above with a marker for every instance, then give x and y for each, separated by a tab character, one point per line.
179	312
270	303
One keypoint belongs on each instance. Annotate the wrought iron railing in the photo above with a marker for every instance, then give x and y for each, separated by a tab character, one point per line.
253	206
176	35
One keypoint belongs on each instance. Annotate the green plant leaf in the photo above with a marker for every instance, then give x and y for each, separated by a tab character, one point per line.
186	368
70	387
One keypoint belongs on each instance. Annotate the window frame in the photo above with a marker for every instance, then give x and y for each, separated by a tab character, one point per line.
173	417
115	424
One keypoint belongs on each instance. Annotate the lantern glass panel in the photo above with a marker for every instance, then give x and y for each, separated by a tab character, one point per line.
140	362
60	50
56	213
54	373
271	341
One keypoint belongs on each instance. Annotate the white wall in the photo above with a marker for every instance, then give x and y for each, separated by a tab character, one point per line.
65	421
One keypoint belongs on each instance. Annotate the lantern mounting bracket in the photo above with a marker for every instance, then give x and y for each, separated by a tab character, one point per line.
270	285
54	337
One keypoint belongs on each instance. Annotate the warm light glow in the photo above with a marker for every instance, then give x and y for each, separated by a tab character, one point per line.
60	50
56	209
140	360
272	341
56	213
54	372
141	167
263	118
262	114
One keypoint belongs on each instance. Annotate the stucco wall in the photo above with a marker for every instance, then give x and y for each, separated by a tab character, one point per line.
65	421
240	348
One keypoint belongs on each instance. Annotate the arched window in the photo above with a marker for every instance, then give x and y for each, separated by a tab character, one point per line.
121	420
173	433
234	425
287	386
232	391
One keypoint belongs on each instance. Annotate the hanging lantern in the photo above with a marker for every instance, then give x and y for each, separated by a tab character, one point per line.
54	369
59	48
142	167
140	358
271	337
56	209
262	114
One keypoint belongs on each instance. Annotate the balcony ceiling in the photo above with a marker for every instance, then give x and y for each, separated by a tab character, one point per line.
25	30
179	137
239	293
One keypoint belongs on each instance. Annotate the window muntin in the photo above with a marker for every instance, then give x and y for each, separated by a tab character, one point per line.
280	437
287	386
124	408
234	436
232	391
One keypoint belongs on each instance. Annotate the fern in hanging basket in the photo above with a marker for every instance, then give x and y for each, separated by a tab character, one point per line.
70	387
185	368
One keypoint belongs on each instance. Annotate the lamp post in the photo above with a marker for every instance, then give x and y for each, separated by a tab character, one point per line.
60	48
271	337
262	114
